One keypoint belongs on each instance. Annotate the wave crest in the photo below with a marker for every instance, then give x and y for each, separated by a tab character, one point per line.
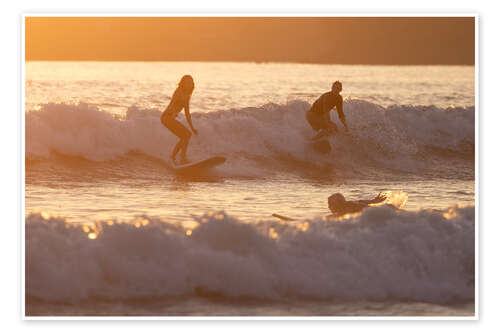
397	137
381	254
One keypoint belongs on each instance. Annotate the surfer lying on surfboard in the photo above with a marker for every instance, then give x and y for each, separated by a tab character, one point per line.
340	206
179	101
319	114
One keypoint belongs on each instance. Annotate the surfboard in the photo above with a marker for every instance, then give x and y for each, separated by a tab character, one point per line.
198	166
282	218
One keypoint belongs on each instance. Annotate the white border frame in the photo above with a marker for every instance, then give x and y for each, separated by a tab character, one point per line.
254	13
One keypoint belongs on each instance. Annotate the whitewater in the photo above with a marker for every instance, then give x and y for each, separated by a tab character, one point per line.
130	236
422	256
404	134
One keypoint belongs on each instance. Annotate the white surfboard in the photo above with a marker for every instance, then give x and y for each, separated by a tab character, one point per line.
198	166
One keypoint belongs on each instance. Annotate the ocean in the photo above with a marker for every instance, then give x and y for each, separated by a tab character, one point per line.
112	230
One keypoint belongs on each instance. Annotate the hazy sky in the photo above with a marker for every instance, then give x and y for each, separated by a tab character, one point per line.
292	39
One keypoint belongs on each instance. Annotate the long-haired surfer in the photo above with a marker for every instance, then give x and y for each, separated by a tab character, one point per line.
319	114
180	100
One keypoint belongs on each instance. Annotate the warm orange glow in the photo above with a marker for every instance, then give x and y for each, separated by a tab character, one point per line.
346	216
341	40
451	213
272	233
92	235
189	232
303	226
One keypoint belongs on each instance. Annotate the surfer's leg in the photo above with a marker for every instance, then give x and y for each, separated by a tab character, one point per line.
176	150
319	123
184	145
312	119
327	127
182	133
332	127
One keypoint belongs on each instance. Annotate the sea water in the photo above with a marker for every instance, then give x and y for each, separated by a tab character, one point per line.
110	229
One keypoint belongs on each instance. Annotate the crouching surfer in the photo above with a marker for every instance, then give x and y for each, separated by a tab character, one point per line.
180	100
319	114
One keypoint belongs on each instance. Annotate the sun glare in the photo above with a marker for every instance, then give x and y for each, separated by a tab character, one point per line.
451	213
272	233
303	226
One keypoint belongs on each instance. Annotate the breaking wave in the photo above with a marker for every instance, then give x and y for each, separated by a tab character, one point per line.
382	254
404	138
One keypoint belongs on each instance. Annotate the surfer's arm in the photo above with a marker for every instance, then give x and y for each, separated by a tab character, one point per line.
381	197
188	117
340	112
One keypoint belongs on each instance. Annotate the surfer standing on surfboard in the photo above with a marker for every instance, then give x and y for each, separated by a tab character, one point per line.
179	101
319	114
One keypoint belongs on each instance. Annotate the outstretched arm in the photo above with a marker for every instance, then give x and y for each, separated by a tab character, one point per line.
381	197
340	111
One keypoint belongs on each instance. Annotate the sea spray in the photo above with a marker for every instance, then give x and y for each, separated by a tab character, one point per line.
402	138
382	254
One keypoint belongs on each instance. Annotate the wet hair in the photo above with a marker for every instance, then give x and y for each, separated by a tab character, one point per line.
336	202
187	83
337	83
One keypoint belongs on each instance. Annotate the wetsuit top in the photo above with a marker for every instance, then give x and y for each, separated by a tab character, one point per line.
328	101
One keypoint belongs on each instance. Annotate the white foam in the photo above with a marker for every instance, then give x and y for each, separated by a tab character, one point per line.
397	136
382	254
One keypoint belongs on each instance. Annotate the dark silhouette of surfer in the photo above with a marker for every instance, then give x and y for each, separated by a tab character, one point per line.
318	115
340	206
180	100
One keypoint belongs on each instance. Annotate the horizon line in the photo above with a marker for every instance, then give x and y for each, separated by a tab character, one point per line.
258	62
